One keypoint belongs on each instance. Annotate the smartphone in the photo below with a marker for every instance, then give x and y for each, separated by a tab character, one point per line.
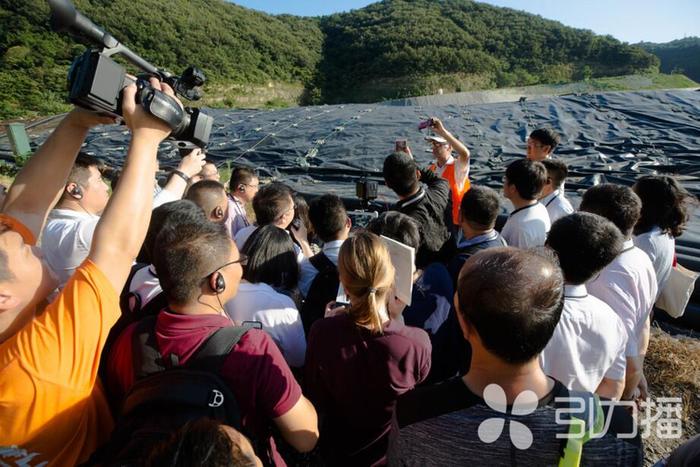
425	124
401	145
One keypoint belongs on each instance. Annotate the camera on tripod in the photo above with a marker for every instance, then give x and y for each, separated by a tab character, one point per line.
96	81
366	191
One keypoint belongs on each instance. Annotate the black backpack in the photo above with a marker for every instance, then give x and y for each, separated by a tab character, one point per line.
129	315
167	395
323	289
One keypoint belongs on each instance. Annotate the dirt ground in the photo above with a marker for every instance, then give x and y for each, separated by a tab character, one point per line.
672	368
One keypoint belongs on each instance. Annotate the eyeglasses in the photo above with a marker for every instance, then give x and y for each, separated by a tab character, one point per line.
255	187
242	259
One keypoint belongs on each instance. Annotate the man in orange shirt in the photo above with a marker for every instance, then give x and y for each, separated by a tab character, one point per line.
52	407
455	171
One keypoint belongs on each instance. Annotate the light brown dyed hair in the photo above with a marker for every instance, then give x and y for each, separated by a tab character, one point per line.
367	275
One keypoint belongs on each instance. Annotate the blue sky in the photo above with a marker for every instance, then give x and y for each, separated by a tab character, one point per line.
627	20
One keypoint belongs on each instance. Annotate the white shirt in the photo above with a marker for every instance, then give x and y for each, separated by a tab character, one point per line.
278	315
145	284
660	248
588	343
308	271
628	286
527	227
557	205
66	240
163	196
245	233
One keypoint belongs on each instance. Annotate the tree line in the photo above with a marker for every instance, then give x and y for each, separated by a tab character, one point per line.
388	49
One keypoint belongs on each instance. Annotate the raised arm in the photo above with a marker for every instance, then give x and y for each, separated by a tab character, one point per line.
456	144
189	166
38	185
122	227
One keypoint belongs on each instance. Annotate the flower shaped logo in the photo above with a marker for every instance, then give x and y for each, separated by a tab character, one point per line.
490	429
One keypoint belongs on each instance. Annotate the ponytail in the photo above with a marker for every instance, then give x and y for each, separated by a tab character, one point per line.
367	275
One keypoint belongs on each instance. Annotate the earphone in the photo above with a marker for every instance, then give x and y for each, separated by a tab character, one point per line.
219	283
241	188
76	192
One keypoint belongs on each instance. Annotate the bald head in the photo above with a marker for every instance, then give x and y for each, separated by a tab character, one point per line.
513	299
211	197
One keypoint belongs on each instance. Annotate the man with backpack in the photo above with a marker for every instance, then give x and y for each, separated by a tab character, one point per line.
190	360
319	274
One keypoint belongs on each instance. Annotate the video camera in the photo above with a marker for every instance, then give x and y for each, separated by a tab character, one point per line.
95	81
366	190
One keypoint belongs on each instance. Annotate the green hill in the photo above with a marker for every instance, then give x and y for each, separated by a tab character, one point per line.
679	56
389	49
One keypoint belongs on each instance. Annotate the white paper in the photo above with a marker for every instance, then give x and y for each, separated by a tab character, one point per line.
403	258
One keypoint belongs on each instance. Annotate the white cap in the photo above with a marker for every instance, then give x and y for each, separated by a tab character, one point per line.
437	139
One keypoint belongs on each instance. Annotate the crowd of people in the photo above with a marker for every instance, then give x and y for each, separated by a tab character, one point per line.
198	325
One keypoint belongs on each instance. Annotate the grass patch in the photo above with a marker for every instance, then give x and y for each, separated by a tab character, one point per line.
672	368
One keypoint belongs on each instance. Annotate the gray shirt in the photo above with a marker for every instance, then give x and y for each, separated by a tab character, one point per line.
444	425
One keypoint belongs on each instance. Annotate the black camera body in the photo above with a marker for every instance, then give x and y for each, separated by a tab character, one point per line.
366	190
96	81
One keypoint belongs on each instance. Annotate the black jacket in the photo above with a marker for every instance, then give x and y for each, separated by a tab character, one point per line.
432	208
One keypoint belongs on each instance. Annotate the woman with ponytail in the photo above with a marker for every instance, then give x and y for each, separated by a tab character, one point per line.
359	361
664	214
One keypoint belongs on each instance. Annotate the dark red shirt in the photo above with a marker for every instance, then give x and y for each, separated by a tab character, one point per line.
353	377
255	370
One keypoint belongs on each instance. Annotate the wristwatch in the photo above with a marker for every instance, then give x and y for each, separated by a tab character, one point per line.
182	175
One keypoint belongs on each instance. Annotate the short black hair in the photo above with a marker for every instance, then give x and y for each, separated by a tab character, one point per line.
585	243
185	254
528	177
397	226
480	207
557	171
168	215
271	258
617	203
205	194
400	173
80	172
546	136
665	204
513	298
201	442
328	216
239	176
271	202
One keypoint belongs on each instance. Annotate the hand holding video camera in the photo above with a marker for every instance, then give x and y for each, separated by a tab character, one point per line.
96	82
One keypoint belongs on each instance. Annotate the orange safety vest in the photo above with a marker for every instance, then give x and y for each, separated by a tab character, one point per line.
457	192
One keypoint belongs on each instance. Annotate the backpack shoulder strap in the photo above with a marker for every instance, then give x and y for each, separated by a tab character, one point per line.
147	357
210	355
321	262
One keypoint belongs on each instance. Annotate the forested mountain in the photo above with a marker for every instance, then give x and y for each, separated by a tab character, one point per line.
389	49
231	43
682	56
